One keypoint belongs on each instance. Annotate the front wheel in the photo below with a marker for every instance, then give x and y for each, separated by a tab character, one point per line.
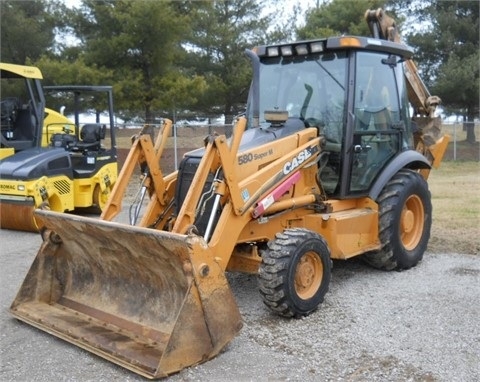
295	272
405	219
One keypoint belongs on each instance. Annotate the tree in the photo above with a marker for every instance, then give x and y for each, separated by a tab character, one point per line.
221	31
28	28
448	55
140	42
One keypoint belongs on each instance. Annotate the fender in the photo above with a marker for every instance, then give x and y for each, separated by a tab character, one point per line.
406	159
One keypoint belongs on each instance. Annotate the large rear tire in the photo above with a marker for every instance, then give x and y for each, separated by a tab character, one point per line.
295	272
405	219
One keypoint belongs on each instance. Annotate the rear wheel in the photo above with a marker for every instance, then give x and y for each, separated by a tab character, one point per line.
295	272
405	219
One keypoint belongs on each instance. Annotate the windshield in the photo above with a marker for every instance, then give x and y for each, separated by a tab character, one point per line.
308	88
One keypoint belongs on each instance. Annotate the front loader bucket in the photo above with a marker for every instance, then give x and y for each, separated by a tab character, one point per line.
151	301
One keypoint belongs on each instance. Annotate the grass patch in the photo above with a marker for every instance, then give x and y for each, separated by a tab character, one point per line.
455	189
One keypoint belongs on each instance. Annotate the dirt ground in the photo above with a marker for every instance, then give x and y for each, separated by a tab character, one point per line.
416	325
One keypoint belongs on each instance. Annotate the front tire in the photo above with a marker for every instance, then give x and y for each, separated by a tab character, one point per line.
405	220
295	272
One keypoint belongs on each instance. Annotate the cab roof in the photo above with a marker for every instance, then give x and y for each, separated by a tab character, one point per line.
303	48
15	71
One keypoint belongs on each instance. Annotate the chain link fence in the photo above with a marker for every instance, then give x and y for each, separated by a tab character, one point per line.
186	137
459	148
182	139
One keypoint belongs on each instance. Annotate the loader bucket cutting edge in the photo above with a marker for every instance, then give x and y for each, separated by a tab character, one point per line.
131	295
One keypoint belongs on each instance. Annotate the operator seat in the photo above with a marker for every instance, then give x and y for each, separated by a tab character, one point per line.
380	119
91	135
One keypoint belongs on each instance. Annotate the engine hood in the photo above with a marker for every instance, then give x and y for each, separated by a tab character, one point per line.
35	163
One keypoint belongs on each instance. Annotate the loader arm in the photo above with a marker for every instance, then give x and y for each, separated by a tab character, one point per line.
247	193
211	160
147	155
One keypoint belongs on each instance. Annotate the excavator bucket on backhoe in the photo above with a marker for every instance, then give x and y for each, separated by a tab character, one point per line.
150	301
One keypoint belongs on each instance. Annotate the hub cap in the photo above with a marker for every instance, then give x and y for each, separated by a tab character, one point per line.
308	275
411	222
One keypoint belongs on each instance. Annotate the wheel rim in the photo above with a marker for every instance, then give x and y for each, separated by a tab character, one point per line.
411	222
308	275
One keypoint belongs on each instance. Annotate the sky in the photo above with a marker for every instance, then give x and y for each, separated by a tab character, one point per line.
287	4
72	3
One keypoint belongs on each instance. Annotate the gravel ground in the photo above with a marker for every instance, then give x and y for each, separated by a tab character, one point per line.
417	325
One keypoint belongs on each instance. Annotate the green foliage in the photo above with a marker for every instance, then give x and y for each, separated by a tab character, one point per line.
140	41
60	72
448	53
28	28
168	55
220	33
337	17
458	80
178	91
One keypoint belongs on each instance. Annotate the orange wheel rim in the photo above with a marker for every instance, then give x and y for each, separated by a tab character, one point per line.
308	275
412	222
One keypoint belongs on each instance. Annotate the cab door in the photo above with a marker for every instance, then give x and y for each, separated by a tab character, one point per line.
380	118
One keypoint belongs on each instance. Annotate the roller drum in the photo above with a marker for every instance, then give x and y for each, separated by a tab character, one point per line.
18	215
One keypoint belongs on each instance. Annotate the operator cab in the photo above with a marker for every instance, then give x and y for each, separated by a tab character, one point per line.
22	107
352	89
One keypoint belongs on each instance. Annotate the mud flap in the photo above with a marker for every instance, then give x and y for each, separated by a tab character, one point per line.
153	302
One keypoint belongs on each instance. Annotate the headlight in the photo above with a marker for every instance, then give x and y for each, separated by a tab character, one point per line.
287	50
272	51
316	47
301	50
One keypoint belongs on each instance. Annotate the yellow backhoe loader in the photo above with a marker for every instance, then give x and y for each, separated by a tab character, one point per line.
46	159
326	164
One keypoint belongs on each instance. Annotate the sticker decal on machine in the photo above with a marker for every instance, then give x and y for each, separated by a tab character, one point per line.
245	195
301	157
